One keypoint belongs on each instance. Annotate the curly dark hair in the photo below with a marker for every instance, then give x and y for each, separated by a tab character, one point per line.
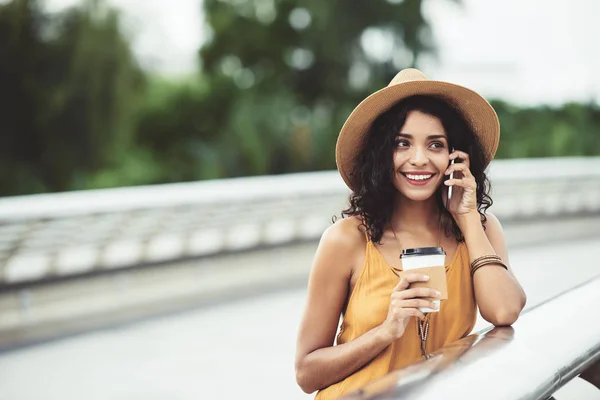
372	201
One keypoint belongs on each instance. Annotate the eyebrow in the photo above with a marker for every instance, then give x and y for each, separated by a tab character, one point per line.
428	137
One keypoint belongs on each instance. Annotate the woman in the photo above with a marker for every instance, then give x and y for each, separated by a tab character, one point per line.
395	152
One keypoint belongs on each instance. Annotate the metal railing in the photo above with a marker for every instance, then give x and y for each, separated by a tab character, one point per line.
66	234
548	346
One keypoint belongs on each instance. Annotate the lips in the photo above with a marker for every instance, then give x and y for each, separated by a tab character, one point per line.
416	178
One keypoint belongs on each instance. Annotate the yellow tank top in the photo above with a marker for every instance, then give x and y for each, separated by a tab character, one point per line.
368	306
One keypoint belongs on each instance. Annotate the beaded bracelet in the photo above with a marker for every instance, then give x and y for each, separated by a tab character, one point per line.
486	260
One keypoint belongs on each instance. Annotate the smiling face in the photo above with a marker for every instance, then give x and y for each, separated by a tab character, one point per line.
420	156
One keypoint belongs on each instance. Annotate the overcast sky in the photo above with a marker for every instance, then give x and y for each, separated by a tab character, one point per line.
528	52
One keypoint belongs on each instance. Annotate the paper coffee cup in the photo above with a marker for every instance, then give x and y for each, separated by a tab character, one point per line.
428	261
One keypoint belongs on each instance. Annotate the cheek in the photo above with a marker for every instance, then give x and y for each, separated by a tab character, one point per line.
400	157
442	163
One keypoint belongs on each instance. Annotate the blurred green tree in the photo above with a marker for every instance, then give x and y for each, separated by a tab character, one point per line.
568	130
278	80
69	86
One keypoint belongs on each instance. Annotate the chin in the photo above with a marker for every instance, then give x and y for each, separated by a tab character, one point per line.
415	194
418	196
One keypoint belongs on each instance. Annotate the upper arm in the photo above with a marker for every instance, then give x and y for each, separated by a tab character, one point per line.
327	287
495	234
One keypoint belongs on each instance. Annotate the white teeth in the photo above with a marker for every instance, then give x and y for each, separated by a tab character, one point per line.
418	177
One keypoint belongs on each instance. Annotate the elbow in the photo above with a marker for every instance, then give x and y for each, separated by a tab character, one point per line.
507	314
302	378
303	382
503	317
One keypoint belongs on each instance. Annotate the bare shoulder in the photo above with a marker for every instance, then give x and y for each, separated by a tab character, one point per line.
341	247
345	233
492	225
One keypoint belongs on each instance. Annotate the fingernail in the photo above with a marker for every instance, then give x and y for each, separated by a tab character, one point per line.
437	293
447	183
425	277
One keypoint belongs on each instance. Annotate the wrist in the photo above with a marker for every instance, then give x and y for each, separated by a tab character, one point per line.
382	335
468	221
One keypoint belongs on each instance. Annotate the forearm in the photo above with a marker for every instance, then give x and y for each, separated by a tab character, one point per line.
498	294
326	366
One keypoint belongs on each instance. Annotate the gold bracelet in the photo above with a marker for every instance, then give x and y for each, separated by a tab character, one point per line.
483	263
485	259
494	256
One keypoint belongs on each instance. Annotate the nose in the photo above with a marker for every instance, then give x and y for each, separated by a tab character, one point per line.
418	157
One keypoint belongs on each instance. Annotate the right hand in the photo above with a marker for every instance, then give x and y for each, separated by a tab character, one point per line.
404	303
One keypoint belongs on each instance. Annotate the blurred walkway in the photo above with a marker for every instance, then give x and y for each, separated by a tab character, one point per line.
238	350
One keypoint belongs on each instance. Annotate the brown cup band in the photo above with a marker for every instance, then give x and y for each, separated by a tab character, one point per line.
437	280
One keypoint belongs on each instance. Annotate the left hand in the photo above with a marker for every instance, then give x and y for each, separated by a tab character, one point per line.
464	187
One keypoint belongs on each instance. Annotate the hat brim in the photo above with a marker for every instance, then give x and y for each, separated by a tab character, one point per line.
476	110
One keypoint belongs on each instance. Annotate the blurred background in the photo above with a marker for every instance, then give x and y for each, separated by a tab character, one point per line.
100	94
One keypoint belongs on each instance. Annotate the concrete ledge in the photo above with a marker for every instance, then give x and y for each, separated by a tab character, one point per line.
30	315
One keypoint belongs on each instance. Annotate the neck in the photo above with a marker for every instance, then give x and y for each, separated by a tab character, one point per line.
415	215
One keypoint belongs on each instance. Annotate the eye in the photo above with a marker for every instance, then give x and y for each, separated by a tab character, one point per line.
402	143
437	145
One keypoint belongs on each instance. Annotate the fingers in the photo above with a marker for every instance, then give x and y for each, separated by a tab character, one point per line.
462	167
467	181
406	302
399	313
408	279
414	303
413	312
416	293
463	182
462	155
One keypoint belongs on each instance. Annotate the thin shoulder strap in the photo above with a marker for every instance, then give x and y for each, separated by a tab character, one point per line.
367	245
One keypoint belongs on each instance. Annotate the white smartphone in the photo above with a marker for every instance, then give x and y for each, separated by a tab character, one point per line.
451	177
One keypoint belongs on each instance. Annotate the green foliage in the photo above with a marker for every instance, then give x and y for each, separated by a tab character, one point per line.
69	92
568	130
278	80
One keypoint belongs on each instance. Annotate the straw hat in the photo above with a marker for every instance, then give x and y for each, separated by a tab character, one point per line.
477	112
